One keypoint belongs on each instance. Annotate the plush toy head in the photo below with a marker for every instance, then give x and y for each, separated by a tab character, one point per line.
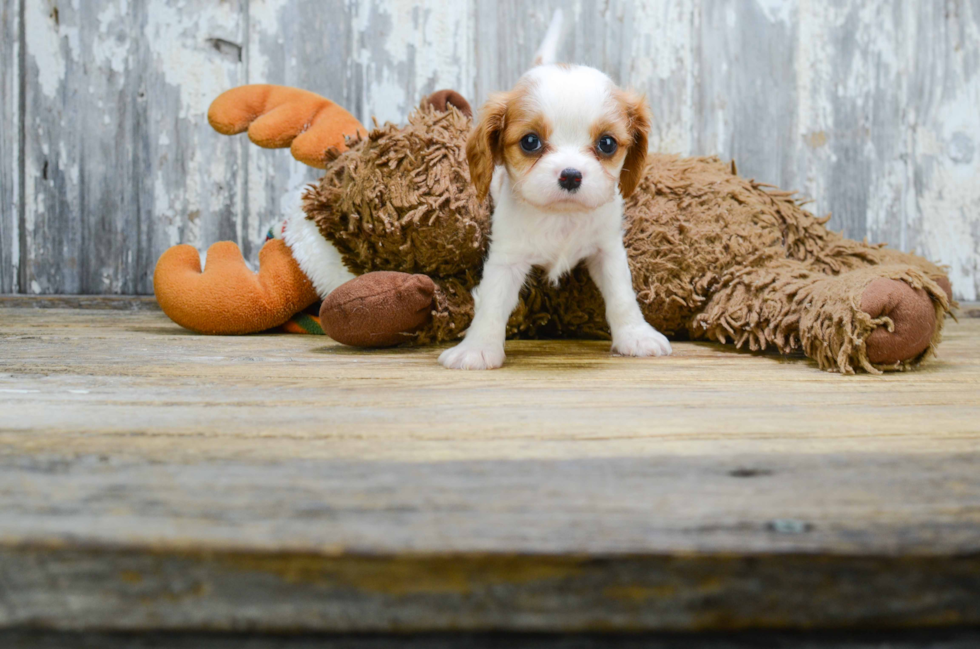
402	199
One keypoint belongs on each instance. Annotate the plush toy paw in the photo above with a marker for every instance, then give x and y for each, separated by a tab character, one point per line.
379	309
278	117
470	355
227	297
640	340
914	316
946	285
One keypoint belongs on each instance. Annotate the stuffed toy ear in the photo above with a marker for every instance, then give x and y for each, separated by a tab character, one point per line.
441	100
277	117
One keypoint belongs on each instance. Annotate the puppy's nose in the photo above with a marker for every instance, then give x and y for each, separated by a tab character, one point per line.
570	179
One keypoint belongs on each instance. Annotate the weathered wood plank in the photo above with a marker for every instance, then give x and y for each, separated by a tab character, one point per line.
79	589
866	107
889	639
120	163
747	86
405	50
10	136
80	203
660	41
287	483
854	123
944	95
302	43
112	302
192	179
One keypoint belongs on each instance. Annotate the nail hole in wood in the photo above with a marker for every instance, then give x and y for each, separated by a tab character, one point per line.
746	472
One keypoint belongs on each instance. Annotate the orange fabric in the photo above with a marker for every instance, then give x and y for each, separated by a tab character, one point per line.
277	117
228	298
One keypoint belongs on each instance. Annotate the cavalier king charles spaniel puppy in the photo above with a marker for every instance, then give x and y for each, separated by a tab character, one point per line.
558	153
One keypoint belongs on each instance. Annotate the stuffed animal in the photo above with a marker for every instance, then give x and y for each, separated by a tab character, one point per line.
393	236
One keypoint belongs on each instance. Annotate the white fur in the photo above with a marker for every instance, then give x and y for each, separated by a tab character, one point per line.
316	256
537	223
548	52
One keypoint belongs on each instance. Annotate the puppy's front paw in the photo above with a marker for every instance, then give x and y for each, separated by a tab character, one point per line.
472	356
640	340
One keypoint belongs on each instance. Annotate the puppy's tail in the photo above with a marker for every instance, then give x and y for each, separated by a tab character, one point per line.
548	52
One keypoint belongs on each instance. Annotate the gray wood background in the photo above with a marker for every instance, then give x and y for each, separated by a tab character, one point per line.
870	107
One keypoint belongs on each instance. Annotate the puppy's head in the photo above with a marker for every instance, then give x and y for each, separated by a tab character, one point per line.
567	136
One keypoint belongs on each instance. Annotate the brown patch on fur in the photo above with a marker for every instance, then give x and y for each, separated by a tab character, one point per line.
484	147
639	120
618	129
521	121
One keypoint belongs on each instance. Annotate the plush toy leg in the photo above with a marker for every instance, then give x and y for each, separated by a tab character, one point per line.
837	254
931	270
872	318
386	308
379	309
228	298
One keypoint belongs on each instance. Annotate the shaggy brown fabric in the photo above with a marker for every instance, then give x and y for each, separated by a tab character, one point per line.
713	255
404	201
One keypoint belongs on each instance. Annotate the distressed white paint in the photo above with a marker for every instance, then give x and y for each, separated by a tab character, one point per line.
10	154
405	49
945	101
662	65
177	41
44	42
867	106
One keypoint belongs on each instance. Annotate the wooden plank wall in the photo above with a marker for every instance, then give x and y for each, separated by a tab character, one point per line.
870	107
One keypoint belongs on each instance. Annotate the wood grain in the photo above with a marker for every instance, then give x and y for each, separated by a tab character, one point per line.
945	81
286	483
853	85
902	639
745	47
113	302
868	108
80	169
119	162
311	53
10	144
192	181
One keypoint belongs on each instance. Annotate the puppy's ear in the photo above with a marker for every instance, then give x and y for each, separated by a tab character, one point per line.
485	148
640	120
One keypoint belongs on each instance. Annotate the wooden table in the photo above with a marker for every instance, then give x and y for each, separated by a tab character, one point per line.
151	478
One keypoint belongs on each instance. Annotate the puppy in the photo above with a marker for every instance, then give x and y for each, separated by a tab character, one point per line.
559	153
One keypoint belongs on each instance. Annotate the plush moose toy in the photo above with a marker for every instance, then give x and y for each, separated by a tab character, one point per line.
392	240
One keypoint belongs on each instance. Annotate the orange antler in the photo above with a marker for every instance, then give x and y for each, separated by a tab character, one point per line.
278	116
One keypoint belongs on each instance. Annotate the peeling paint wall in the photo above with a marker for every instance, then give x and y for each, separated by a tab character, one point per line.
869	107
10	133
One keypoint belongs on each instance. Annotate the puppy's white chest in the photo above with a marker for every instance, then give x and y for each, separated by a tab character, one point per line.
557	242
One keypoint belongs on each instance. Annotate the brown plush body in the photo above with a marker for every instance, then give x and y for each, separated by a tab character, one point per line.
713	255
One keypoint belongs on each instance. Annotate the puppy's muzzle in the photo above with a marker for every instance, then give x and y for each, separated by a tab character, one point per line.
570	179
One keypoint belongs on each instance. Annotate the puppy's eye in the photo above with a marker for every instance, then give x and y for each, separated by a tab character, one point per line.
530	143
607	145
